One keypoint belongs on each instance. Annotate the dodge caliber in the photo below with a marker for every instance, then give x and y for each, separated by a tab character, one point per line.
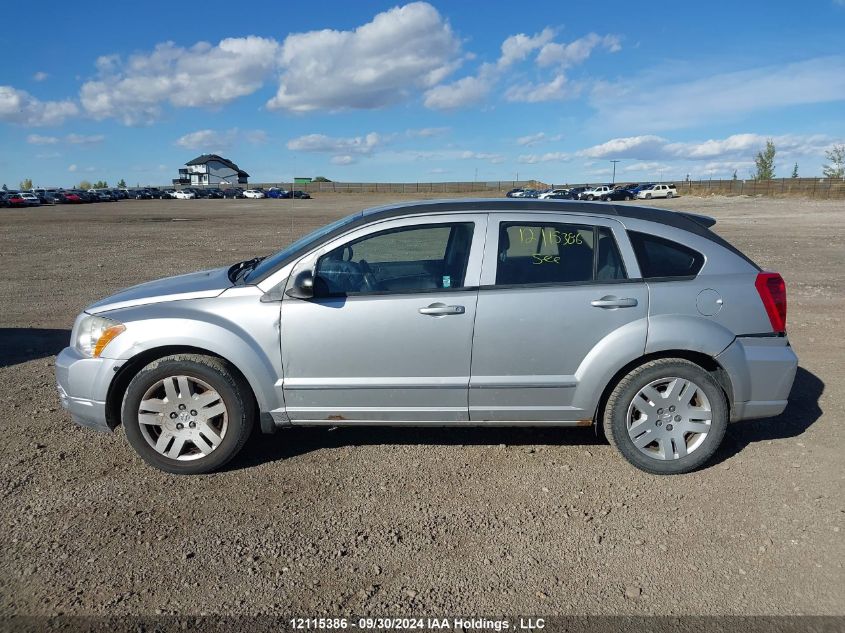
641	322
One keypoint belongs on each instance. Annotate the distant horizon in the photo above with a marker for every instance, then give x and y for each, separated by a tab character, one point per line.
423	91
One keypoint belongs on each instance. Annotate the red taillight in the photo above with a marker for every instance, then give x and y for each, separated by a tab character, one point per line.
772	290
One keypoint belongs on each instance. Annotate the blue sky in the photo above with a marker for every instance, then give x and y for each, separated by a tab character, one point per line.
377	91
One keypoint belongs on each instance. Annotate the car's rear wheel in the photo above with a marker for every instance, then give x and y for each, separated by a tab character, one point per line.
667	416
670	195
187	414
628	198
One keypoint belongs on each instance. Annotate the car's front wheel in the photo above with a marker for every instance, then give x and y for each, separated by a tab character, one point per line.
667	416
187	414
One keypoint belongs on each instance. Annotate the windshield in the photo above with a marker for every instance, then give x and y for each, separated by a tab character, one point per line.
297	248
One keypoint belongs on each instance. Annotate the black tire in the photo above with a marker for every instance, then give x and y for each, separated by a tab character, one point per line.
670	195
234	393
616	414
628	198
648	196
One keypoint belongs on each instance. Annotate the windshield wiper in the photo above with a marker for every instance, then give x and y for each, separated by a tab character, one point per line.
237	272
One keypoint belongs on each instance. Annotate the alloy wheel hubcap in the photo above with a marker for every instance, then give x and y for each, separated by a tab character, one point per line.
183	418
669	418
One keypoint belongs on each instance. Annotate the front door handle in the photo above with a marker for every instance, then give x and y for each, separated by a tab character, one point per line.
441	309
613	302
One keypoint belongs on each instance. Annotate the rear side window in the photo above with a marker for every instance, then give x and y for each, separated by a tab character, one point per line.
659	257
556	253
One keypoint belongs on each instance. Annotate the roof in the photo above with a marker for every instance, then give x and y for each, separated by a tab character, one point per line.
206	158
687	221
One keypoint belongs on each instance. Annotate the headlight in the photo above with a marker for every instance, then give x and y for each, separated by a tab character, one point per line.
94	333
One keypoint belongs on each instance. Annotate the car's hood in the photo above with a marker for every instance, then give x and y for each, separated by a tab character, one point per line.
201	285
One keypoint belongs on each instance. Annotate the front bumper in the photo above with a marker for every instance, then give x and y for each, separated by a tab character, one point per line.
762	370
83	384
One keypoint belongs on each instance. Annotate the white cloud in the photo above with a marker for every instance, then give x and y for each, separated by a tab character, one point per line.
540	137
636	104
72	168
577	51
219	140
200	76
344	159
645	167
18	106
72	139
646	146
427	132
517	47
81	139
320	143
37	139
485	156
463	92
40	76
382	62
651	147
554	90
548	157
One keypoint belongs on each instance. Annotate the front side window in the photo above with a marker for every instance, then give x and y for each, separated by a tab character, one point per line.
406	259
660	257
556	253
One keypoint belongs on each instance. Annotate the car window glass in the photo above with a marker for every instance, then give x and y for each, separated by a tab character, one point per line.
660	257
406	259
555	253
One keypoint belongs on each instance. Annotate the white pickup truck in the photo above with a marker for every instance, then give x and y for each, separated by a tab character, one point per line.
657	191
595	193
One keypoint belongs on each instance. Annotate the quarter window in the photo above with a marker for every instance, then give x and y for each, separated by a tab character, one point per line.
660	257
556	253
406	259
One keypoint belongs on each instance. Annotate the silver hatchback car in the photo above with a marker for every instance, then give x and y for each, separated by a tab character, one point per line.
639	321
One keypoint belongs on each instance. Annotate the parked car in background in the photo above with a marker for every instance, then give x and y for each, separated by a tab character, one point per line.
618	194
72	197
233	192
184	194
657	191
56	197
14	199
594	193
515	193
642	321
529	193
30	199
278	193
304	195
214	192
141	194
574	192
554	194
254	193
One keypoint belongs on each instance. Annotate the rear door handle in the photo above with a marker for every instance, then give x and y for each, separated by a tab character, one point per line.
613	302
441	309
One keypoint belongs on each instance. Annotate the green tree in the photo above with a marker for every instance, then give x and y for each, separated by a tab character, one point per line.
734	176
795	171
765	162
84	185
100	184
26	183
5	188
321	179
836	156
121	184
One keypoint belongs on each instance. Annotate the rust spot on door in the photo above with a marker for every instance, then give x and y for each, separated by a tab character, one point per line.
335	417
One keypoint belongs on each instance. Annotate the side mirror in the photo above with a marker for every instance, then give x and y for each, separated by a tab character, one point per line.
303	286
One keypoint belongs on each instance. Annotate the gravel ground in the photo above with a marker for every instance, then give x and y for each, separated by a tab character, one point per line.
405	521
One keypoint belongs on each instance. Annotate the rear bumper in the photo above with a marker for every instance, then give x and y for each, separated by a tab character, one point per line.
762	370
82	384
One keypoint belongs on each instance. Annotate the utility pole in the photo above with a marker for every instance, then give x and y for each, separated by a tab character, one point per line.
613	182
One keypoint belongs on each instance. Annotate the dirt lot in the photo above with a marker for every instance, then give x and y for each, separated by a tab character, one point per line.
407	521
